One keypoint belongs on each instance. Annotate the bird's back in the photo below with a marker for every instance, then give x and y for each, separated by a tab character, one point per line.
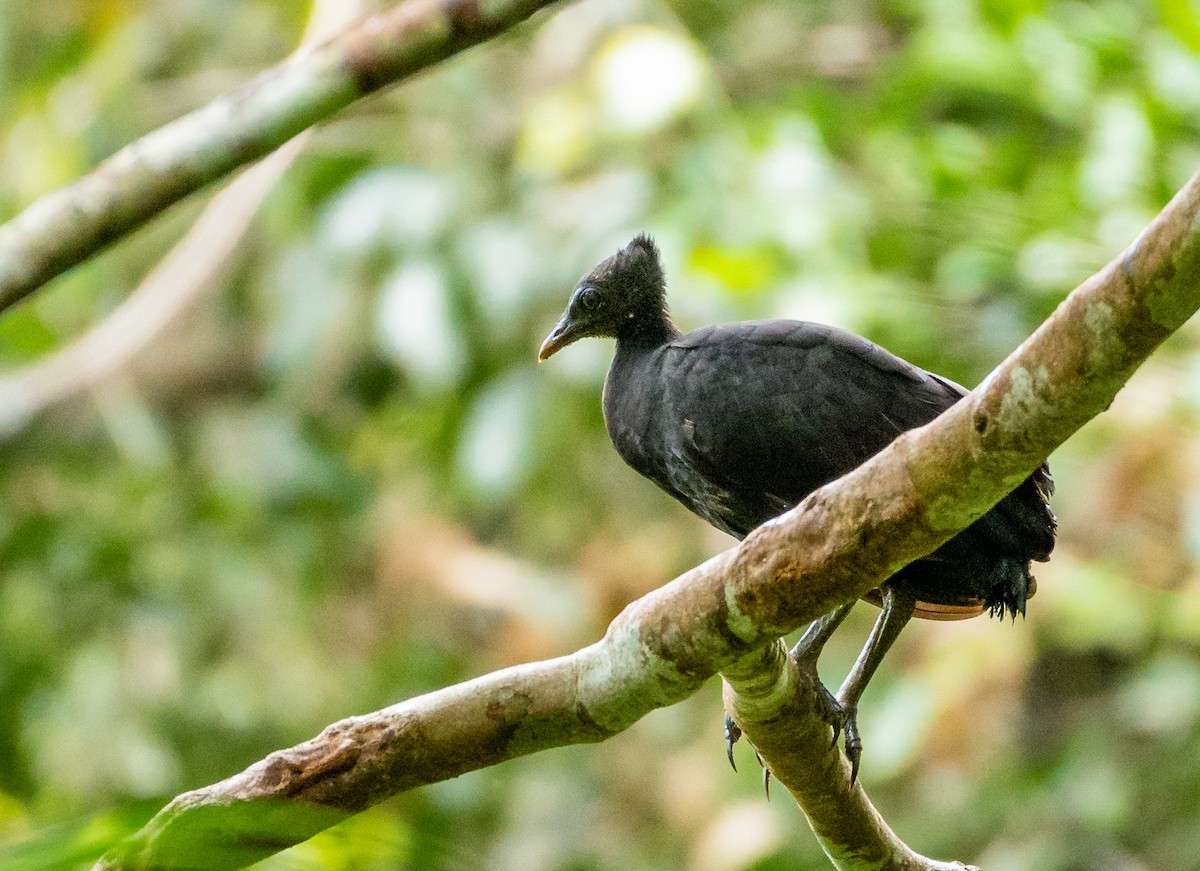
742	421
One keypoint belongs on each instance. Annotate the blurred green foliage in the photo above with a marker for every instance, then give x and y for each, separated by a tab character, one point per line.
341	480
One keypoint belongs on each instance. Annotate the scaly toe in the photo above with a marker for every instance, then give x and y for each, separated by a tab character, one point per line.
853	744
832	713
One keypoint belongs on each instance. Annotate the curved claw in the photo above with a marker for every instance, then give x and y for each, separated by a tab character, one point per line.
853	745
732	733
767	782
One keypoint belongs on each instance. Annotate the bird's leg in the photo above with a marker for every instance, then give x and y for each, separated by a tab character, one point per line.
805	655
808	648
898	607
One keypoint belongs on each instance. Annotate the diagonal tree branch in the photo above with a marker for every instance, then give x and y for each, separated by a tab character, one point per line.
1063	375
835	546
188	270
66	227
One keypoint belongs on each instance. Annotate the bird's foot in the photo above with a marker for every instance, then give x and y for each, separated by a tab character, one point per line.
843	719
732	733
840	714
829	709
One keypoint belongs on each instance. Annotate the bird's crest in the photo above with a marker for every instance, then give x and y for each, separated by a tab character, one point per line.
635	272
636	263
644	242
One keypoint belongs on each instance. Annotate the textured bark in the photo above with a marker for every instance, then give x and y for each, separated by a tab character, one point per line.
355	763
779	709
835	546
68	226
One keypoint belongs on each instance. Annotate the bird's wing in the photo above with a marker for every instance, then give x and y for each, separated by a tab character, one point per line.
758	415
769	411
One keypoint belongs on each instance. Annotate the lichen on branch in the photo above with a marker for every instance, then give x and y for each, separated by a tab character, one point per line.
839	543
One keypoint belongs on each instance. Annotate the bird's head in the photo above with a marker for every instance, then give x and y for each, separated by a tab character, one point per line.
622	295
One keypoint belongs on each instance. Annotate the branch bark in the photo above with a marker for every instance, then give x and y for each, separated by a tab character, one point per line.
66	227
835	546
778	708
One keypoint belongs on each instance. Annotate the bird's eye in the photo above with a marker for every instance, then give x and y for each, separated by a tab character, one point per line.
589	299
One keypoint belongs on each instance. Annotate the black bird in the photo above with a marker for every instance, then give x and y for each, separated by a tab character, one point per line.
740	422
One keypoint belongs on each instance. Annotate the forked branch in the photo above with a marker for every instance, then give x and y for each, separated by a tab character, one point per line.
839	543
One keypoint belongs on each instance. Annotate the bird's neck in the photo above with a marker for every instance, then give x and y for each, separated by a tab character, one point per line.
646	333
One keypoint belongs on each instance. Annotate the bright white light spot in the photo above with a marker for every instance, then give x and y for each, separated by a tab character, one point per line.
646	76
798	186
385	208
416	327
502	259
791	168
1121	147
493	455
794	176
1174	74
1055	263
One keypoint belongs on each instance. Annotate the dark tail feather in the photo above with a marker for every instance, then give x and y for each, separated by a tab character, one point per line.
1011	587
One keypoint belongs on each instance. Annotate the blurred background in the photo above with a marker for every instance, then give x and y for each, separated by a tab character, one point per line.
336	478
